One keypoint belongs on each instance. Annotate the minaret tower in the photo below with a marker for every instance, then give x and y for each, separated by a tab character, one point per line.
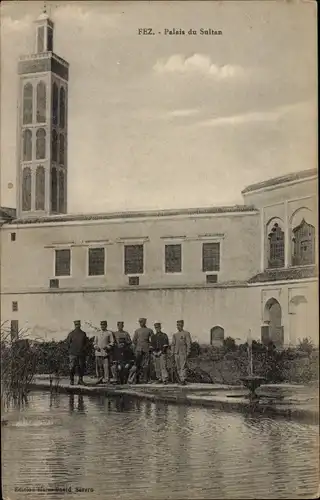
42	169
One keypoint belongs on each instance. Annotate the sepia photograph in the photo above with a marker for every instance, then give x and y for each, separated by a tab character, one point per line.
159	250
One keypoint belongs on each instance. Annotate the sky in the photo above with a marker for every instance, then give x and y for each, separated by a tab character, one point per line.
171	121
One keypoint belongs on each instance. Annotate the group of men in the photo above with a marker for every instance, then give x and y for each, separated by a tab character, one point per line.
122	360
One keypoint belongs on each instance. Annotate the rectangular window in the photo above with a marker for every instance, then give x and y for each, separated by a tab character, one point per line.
62	262
133	259
173	258
14	306
212	278
210	257
96	261
54	283
134	280
13	236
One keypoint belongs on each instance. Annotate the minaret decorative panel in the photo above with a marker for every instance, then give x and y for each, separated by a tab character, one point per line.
42	160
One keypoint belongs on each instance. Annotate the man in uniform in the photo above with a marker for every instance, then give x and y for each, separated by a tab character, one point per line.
181	346
103	343
77	342
122	354
141	342
160	344
121	335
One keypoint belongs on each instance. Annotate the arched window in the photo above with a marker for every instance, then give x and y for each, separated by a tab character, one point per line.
276	247
62	107
55	100
27	145
54	190
41	102
54	146
27	103
41	39
41	144
61	149
61	191
40	188
303	244
26	189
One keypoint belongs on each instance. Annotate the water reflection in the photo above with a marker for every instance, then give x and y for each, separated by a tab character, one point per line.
127	448
79	406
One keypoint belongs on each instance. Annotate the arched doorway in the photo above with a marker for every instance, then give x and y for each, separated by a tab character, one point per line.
273	329
298	319
217	336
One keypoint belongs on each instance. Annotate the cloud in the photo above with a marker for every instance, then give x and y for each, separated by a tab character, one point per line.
10	25
197	64
87	17
177	113
252	117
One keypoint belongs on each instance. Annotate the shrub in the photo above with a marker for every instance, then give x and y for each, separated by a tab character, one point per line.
229	344
18	366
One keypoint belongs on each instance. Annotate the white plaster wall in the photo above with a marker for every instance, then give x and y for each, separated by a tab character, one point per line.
29	265
51	315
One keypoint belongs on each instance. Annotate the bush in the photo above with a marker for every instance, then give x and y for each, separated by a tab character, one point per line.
221	365
195	349
18	367
229	344
306	346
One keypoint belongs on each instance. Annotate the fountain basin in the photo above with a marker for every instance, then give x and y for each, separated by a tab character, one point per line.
252	382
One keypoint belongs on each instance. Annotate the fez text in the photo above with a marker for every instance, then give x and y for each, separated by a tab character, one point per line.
179	31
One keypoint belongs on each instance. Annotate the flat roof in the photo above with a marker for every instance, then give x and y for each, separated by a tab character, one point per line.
283	179
135	214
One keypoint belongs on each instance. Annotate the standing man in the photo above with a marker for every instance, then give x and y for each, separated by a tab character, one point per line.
103	343
77	342
121	335
141	342
122	352
181	347
160	344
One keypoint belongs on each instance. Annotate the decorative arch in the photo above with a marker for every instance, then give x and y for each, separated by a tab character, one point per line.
26	189
217	335
61	149
55	103
54	145
303	244
276	245
61	192
54	190
40	188
272	316
267	312
41	102
41	144
27	145
302	213
62	112
27	103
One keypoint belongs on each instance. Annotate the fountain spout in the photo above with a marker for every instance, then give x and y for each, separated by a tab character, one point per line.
251	382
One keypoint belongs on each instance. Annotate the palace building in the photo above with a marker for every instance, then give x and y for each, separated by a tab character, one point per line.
225	270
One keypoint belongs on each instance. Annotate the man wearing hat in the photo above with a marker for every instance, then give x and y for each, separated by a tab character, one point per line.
160	344
180	348
103	343
122	354
77	342
141	343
